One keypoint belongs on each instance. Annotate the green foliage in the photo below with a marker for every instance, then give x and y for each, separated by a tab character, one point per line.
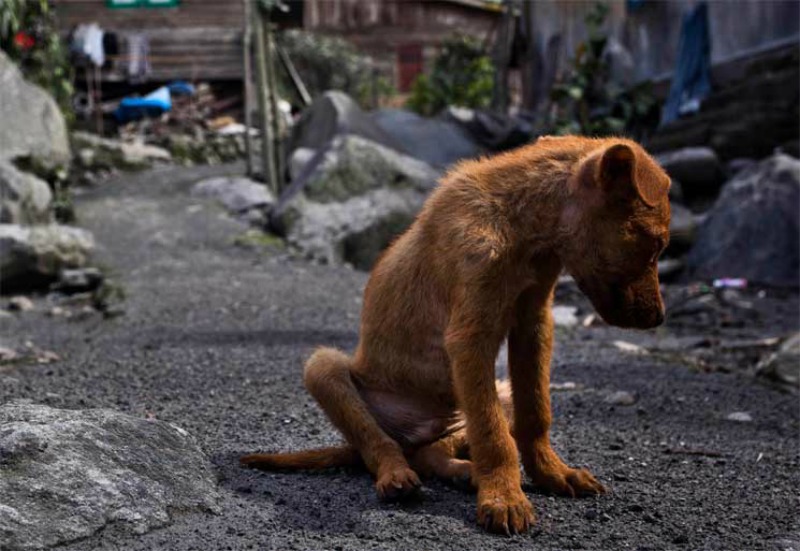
462	75
332	63
45	62
587	101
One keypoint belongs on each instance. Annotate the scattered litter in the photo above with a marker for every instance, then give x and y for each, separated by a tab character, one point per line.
621	398
46	357
740	417
629	347
730	283
760	457
569	385
589	320
565	316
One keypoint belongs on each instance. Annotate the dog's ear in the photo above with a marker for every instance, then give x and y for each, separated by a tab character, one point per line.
620	176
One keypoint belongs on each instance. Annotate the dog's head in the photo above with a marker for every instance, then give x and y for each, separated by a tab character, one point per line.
616	225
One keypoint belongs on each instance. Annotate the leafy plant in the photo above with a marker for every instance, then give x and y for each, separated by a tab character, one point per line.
29	35
587	101
462	74
332	63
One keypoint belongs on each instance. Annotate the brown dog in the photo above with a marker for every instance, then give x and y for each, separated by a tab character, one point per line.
478	266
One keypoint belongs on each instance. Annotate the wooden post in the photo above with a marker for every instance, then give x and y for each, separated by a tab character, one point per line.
247	43
277	126
265	111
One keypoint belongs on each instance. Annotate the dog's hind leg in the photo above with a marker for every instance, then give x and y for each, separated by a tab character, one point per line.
328	377
443	459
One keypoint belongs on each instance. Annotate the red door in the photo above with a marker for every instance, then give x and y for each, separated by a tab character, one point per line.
409	65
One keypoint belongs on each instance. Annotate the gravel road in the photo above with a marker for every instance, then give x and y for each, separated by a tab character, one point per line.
214	338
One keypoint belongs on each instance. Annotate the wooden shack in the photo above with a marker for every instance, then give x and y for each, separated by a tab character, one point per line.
202	39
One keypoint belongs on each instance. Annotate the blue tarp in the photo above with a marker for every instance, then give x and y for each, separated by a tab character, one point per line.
152	105
691	82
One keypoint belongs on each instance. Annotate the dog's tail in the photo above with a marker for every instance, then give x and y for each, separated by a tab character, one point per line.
322	458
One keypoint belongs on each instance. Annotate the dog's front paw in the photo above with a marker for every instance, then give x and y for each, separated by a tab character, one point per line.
567	482
397	483
507	512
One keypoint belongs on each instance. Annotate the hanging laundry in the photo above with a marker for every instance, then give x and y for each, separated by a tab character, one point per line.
87	42
691	82
138	57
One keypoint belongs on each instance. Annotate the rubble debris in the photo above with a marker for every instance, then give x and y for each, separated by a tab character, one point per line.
78	280
629	347
109	154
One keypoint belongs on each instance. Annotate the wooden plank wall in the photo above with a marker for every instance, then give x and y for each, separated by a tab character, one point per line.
198	40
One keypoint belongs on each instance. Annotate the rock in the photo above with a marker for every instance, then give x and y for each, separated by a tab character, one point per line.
118	154
32	124
697	169
565	316
236	193
669	268
438	142
629	347
336	113
735	166
357	197
20	304
620	398
67	474
7	354
34	256
298	161
78	281
682	228
752	230
740	417
494	131
783	365
24	198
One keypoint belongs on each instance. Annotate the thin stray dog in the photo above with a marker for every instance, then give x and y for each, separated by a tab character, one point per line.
478	266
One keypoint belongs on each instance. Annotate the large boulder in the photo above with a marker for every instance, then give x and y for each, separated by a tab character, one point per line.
697	169
682	228
31	123
67	474
31	256
352	200
24	198
332	114
752	230
439	142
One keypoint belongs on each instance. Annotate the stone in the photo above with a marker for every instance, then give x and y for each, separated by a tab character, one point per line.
78	280
565	316
32	124
752	230
332	114
236	193
67	474
620	398
33	256
682	228
740	417
20	304
697	169
110	153
24	198
783	365
355	199
439	142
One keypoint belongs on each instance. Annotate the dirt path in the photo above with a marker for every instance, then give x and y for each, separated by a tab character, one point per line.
214	338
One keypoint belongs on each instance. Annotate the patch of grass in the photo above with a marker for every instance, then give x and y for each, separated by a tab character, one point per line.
257	239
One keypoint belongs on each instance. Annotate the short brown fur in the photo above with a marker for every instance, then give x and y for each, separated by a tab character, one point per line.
478	266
